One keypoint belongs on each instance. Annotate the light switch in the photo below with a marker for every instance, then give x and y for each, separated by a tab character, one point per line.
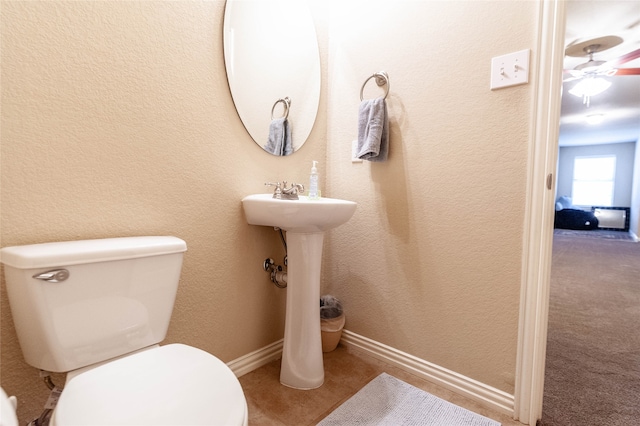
510	70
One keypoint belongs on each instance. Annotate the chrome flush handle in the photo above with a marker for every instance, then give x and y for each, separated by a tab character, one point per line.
53	276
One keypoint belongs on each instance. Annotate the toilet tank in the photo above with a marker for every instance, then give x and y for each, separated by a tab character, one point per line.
117	298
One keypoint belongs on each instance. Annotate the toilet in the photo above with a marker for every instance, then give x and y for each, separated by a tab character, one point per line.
97	310
8	406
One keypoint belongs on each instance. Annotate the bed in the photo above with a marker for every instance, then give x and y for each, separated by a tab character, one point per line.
571	217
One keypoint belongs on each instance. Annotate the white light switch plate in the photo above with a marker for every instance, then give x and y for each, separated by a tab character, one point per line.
510	70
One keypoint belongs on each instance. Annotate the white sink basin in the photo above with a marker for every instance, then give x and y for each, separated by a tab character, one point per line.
303	215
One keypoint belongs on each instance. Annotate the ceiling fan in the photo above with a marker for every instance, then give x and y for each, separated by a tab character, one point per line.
593	67
590	72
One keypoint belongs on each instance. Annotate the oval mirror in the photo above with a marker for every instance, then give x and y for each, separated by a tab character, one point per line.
273	66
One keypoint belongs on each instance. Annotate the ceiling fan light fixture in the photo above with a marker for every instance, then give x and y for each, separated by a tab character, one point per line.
590	86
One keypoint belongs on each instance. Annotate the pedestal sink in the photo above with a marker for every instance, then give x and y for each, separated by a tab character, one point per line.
305	221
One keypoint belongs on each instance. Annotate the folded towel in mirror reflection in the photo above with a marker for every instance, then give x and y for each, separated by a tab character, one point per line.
373	130
279	142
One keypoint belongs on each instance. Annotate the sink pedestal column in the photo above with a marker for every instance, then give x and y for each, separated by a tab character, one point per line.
302	366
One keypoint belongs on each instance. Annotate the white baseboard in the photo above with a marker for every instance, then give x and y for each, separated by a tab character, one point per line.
256	359
462	385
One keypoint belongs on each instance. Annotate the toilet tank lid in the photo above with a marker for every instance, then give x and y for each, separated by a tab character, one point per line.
89	251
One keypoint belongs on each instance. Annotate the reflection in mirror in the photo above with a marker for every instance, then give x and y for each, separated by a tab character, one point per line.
279	141
271	54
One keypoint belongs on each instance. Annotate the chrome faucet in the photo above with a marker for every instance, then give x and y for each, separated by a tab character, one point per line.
281	192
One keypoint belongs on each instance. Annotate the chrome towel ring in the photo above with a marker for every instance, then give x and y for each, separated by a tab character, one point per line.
382	78
287	104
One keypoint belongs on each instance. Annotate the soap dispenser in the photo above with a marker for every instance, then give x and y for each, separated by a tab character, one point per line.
314	192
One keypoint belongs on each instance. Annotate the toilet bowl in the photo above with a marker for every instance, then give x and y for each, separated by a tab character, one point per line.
168	385
97	310
8	409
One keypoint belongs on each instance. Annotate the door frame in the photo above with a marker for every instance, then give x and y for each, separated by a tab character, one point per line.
539	210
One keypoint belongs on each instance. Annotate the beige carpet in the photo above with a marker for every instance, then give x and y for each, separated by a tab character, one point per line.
593	350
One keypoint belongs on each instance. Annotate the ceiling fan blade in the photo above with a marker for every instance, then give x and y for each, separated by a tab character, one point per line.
628	71
624	58
566	80
574	73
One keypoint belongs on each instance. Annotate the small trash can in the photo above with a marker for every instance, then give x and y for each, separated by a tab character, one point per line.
331	322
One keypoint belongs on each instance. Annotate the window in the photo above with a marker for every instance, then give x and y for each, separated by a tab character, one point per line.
593	180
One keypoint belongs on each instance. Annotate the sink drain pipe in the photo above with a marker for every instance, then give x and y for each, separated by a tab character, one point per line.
277	274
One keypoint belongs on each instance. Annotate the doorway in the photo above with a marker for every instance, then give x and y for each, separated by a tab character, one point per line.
586	360
538	232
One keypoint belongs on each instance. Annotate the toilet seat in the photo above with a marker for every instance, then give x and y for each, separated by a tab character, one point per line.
169	385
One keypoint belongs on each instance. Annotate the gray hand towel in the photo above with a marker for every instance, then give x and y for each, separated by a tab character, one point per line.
279	142
373	130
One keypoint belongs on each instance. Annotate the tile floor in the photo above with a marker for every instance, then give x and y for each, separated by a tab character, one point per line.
347	370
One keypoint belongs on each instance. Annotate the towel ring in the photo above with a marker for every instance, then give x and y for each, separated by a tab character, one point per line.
382	78
287	104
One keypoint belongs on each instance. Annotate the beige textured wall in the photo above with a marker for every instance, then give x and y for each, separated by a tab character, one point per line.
117	120
431	261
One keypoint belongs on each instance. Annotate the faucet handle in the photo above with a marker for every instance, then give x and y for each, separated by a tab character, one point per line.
277	193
